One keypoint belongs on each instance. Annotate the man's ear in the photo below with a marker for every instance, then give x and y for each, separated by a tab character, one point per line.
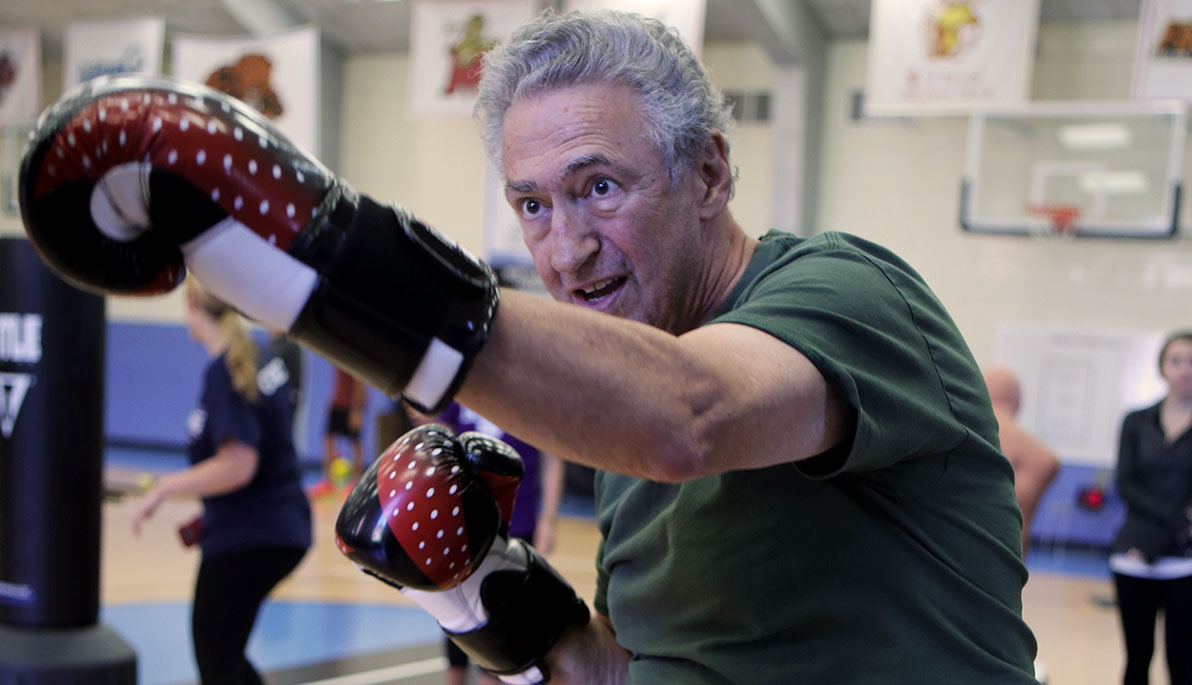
716	175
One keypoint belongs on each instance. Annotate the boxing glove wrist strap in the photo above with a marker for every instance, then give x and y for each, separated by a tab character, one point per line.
528	609
397	304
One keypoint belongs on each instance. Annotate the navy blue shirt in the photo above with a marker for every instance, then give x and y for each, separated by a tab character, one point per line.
271	510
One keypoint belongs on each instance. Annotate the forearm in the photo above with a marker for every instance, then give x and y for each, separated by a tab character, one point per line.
589	654
542	371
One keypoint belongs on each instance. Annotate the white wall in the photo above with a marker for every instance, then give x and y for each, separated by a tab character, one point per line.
744	67
897	182
12	141
432	166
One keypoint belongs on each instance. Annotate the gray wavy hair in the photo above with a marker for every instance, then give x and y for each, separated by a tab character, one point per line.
679	102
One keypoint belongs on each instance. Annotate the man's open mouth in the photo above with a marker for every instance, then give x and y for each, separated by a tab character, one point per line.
599	291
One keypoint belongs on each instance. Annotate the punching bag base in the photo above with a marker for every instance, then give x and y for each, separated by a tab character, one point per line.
74	656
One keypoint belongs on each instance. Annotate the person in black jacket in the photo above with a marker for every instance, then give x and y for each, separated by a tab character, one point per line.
1152	554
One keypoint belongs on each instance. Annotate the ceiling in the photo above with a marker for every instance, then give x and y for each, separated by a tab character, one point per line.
379	26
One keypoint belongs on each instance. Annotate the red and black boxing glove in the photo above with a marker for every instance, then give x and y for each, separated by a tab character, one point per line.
431	517
129	181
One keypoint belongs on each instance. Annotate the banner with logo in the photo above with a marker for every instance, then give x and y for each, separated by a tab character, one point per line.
20	76
100	48
448	40
1163	57
949	56
20	343
686	16
277	75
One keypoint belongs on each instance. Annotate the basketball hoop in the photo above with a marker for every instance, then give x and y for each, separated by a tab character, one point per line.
1061	219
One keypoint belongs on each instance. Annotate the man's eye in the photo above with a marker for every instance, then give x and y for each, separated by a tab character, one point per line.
530	208
603	186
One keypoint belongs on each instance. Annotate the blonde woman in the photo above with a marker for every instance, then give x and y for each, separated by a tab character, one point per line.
255	526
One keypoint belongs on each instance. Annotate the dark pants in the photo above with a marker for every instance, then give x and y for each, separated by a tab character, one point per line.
1139	602
228	594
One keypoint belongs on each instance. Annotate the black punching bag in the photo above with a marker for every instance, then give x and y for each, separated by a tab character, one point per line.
51	479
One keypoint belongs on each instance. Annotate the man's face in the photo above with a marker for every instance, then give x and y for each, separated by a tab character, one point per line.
605	227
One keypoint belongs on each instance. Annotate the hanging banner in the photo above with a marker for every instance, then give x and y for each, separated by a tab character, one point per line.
1163	57
686	16
448	40
20	76
277	75
100	48
949	56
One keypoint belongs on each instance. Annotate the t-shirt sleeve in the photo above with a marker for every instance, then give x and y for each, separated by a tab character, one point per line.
600	599
229	416
855	321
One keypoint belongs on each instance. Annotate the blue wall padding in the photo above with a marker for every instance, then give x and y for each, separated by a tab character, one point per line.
153	376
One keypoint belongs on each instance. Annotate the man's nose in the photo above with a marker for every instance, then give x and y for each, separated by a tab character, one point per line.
575	240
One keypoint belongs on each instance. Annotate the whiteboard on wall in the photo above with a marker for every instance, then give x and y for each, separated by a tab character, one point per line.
1078	384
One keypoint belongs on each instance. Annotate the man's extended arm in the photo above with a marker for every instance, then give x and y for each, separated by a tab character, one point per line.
671	408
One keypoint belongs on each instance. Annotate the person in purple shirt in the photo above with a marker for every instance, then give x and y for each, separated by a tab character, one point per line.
534	509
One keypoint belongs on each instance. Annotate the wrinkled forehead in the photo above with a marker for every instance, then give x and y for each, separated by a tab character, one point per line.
568	118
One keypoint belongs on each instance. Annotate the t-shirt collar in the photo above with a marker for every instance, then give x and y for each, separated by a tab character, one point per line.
768	249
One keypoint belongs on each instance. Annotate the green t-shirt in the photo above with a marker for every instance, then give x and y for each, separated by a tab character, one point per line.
894	558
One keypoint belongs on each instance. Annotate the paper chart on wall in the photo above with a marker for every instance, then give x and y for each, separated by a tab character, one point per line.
1078	384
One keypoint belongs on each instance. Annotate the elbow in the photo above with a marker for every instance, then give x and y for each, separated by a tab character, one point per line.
679	455
1052	467
689	443
676	466
239	476
244	476
240	465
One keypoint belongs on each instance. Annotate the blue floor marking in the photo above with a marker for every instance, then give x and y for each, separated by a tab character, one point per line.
287	634
1073	562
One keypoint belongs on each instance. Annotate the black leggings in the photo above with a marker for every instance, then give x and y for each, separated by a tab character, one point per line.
1139	602
228	594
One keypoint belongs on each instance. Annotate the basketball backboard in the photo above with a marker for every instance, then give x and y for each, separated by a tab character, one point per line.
1091	169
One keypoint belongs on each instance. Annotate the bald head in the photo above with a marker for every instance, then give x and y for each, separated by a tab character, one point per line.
1003	389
